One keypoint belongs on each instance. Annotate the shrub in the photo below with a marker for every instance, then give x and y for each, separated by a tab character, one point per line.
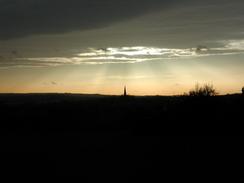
205	90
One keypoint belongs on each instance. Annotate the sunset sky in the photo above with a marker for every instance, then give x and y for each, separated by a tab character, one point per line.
154	47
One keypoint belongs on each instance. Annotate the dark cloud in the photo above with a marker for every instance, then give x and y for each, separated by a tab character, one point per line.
22	18
201	48
14	52
50	83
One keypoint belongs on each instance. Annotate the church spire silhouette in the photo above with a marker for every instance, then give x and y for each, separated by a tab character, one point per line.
125	92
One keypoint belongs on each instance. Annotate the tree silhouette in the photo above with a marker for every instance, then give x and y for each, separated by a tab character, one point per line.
205	90
242	90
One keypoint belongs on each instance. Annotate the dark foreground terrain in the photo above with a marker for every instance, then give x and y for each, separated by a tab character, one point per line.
123	138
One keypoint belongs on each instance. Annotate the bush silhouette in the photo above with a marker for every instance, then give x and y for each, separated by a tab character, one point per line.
205	90
242	90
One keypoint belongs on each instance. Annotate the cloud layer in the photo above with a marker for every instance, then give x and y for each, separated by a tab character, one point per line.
22	18
130	55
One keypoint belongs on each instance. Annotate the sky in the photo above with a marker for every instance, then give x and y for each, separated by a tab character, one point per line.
154	47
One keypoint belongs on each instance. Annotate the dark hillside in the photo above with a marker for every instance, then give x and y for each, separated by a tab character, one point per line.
171	138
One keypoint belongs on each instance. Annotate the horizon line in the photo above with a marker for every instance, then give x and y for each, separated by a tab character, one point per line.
100	94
